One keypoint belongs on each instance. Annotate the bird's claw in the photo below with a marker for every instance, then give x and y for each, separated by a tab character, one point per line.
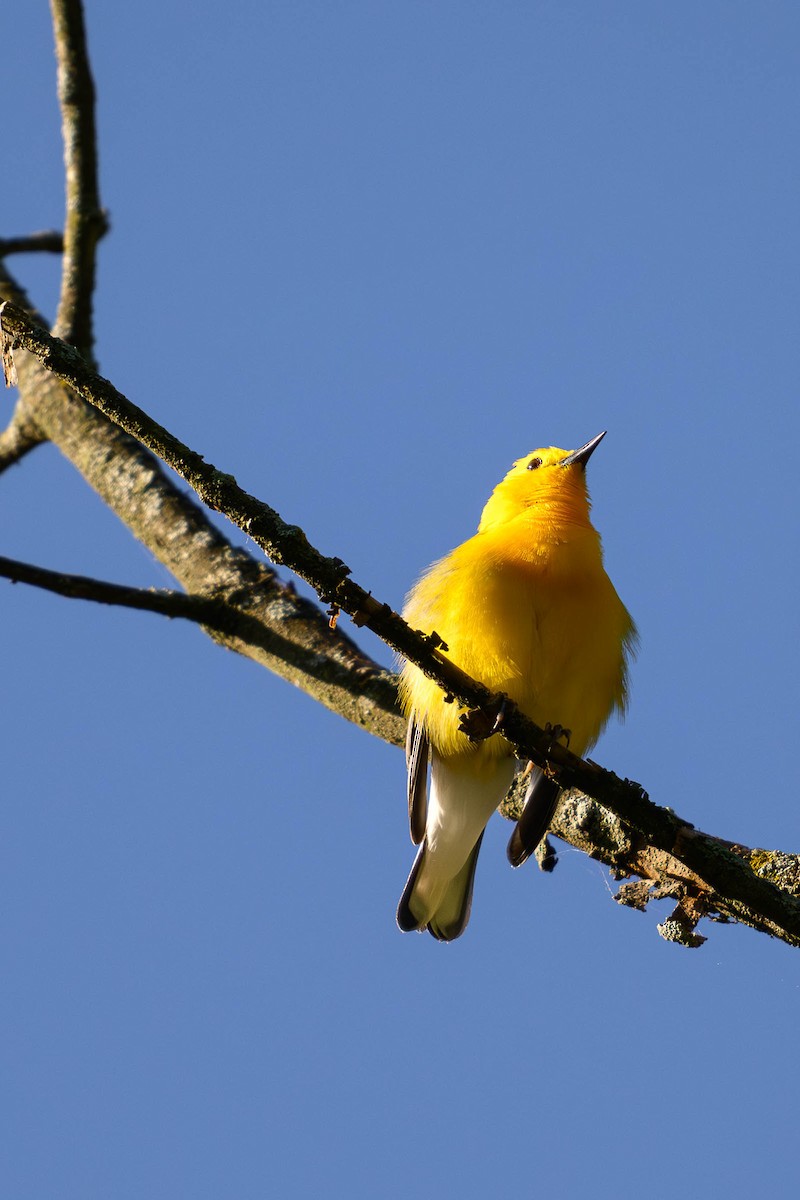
556	733
480	723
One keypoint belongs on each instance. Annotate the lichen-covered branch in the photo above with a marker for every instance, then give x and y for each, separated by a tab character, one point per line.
23	433
242	603
602	835
236	618
278	629
713	862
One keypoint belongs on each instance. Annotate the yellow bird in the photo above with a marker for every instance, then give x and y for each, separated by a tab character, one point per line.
525	607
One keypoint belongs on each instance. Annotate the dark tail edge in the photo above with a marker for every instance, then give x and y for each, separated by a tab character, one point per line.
405	918
466	880
540	803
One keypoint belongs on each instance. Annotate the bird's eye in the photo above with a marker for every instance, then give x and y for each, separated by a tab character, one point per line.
534	463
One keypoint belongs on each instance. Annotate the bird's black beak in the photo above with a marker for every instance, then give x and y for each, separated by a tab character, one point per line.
583	455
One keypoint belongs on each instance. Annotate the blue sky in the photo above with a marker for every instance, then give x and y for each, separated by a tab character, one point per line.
363	256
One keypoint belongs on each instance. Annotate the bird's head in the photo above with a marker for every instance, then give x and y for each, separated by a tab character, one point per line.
548	479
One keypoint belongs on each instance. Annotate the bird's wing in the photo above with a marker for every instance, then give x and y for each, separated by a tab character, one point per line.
417	763
540	803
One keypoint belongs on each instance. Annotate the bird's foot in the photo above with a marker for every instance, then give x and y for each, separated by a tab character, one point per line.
556	733
480	723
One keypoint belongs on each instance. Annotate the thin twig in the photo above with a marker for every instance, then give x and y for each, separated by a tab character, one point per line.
710	860
85	220
203	610
49	241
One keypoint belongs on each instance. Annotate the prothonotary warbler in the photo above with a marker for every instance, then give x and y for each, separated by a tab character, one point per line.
525	607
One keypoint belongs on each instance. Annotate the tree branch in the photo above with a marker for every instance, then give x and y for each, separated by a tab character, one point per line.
85	220
717	868
594	830
23	432
243	605
49	241
236	621
203	610
580	821
284	632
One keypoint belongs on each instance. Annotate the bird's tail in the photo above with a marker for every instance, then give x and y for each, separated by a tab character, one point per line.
449	900
463	796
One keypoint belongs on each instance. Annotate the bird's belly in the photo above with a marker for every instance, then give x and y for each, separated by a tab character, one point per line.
574	677
554	644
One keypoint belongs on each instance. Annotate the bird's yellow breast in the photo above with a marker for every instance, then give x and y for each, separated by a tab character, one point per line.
527	609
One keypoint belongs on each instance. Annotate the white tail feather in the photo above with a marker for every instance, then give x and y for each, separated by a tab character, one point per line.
459	806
